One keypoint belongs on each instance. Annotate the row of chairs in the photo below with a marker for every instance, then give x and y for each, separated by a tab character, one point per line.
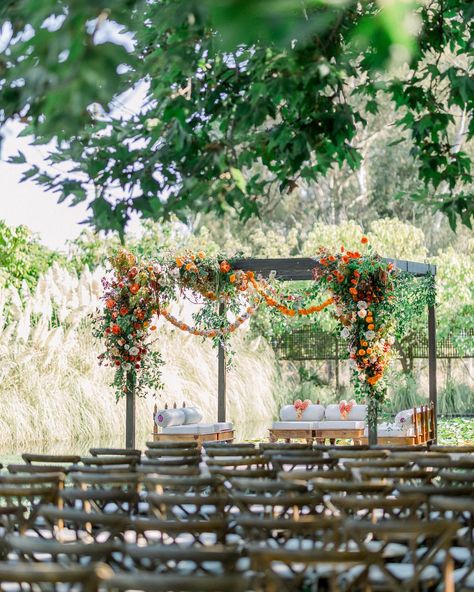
270	518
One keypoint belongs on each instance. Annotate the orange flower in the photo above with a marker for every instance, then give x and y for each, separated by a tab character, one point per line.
331	258
364	240
110	303
371	327
353	291
134	288
201	254
190	266
115	329
361	352
224	266
356	274
364	343
345	259
342	249
123	310
369	350
232	278
179	262
153	328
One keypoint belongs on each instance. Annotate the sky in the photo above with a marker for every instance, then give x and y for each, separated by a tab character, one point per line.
26	203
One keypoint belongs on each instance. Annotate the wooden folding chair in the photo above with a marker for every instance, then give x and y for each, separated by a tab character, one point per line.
192	533
366	488
287	570
187	507
212	560
164	445
77	526
202	485
48	576
147	582
424	541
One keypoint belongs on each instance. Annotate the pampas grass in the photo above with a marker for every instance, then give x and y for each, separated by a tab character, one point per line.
53	390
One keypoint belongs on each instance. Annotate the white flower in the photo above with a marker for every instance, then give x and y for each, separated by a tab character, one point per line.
362	304
134	351
127	366
345	333
126	346
391	339
373	358
151	123
174	272
382	341
369	335
353	350
338	311
362	313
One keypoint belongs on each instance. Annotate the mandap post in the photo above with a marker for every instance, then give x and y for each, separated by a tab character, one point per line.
221	376
130	410
432	366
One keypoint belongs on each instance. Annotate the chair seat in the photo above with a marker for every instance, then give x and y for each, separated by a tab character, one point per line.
387	430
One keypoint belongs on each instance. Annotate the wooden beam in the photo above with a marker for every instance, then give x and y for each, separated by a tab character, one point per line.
301	268
433	390
221	376
130	410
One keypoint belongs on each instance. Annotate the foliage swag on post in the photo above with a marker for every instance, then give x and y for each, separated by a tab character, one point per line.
363	292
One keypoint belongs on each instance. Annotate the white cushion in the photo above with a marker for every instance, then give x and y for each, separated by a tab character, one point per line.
169	417
387	430
311	413
357	413
192	428
294	425
342	424
223	426
192	415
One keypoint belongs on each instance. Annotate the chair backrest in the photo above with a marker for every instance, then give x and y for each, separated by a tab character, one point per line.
192	532
54	459
378	507
203	485
49	576
183	507
163	445
115	452
290	569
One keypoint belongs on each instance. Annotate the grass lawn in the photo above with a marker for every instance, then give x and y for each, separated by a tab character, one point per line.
456	431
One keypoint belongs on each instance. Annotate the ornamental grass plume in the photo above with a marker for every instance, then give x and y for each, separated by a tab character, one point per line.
53	389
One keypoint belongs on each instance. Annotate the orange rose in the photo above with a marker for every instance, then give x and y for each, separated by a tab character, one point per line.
353	291
364	240
134	288
123	310
361	352
179	262
115	329
201	254
232	278
153	328
224	266
110	303
371	327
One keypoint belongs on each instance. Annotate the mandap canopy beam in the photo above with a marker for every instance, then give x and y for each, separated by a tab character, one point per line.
300	269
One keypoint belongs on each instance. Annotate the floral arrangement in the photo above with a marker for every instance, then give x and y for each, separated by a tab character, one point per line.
130	299
137	293
345	407
362	288
300	407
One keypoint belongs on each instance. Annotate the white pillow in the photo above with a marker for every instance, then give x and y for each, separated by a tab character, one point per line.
332	413
404	418
357	413
311	413
192	415
166	418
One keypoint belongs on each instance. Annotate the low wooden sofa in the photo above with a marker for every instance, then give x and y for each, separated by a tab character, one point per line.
201	432
420	432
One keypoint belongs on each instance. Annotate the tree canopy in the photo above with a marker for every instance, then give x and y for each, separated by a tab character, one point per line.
174	107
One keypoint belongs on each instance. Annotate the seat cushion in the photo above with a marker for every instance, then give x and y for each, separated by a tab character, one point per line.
192	428
294	425
388	430
342	424
223	426
357	413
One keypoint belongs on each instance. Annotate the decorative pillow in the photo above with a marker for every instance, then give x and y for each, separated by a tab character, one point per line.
404	418
311	413
166	418
192	415
332	413
357	413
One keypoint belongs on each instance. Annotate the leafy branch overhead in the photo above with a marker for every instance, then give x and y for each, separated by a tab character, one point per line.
226	101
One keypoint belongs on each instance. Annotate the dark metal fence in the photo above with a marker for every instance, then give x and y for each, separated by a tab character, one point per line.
309	344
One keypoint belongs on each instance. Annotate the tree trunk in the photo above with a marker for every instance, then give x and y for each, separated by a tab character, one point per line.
372	413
